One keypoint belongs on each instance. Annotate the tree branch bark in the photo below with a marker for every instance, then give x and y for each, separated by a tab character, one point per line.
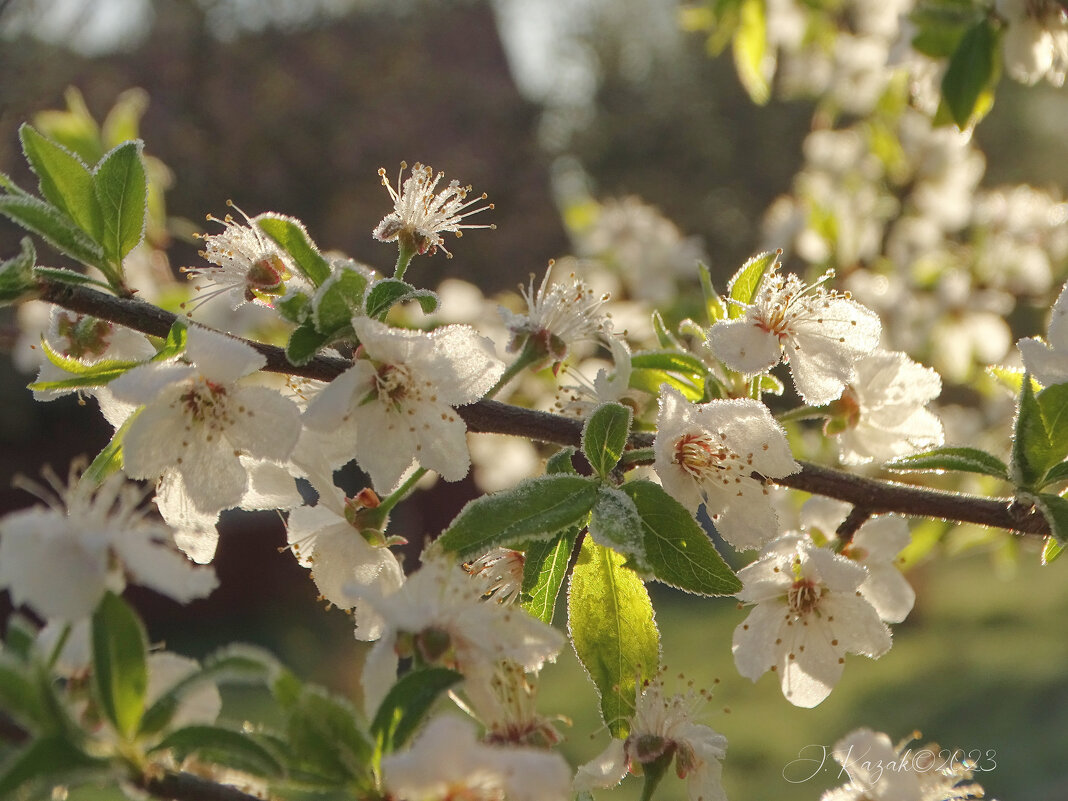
875	496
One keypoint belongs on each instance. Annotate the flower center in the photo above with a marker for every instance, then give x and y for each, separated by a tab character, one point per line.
804	596
392	383
700	457
266	274
204	400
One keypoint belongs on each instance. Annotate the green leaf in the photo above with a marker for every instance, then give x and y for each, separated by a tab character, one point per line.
1055	509
614	523
120	675
673	361
68	277
971	70
338	298
175	343
677	548
304	343
544	570
1051	549
715	306
290	235
109	460
294	306
122	191
1056	474
52	225
604	436
663	335
222	746
744	283
560	462
390	291
1040	438
536	508
750	49
93	374
968	460
19	699
65	180
650	380
20	641
327	739
46	763
407	703
17	274
610	618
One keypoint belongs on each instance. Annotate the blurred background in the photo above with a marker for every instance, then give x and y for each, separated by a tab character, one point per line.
293	105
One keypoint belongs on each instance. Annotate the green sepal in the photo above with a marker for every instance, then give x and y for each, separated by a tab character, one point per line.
972	71
388	292
229	748
968	460
614	523
677	549
610	619
44	763
294	306
560	462
290	235
17	274
64	180
604	436
536	508
305	342
744	284
96	374
544	570
715	306
174	343
109	460
407	704
54	227
121	189
664	336
337	299
120	672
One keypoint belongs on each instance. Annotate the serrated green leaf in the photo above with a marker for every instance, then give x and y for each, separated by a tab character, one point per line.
338	298
65	180
304	343
677	548
407	704
544	569
744	283
614	523
1055	509
610	618
45	763
327	739
53	226
290	235
1051	550
120	674
970	71
750	48
388	292
604	436
122	190
221	746
560	462
968	460
17	274
534	509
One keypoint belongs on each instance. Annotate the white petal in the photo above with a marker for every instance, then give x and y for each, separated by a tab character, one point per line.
747	518
888	591
155	440
744	346
220	358
194	531
166	571
263	423
330	407
809	666
145	382
607	769
754	642
379	674
466	366
442	441
270	486
386	446
1047	365
857	625
213	475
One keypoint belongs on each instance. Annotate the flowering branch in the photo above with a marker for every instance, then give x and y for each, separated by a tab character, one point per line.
873	496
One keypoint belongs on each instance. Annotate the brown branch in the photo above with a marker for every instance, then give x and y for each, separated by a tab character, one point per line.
187	787
873	496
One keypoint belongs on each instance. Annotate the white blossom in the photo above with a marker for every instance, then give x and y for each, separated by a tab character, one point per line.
663	725
1036	41
447	762
808	614
879	771
419	216
875	545
499	574
438	614
883	409
60	560
394	405
708	453
197	421
1047	361
820	333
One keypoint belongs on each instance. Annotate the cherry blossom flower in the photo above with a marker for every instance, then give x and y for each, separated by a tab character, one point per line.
558	315
419	216
663	727
820	333
197	421
1047	361
249	265
808	614
394	405
875	545
505	702
447	762
709	453
1036	41
438	615
879	771
882	411
499	574
61	560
